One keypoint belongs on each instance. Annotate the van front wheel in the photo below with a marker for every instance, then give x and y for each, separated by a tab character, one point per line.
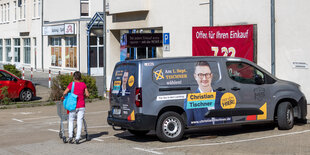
170	127
285	116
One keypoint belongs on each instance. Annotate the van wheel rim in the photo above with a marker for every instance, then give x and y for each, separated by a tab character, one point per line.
289	116
171	127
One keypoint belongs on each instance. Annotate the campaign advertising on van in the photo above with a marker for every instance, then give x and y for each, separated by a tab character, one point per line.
202	75
123	87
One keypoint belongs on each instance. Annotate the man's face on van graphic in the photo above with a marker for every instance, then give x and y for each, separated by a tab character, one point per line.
125	78
203	76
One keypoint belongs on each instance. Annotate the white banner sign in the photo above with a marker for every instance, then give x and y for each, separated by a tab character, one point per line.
59	29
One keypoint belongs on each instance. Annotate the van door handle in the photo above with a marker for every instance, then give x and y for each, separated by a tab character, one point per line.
235	88
220	89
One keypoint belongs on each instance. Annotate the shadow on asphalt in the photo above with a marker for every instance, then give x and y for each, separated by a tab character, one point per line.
150	137
203	133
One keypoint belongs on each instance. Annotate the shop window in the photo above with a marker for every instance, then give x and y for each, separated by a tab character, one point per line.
84	8
8	50
1	51
17	50
70	55
56	52
27	49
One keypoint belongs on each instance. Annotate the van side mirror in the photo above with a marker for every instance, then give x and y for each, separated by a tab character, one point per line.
259	80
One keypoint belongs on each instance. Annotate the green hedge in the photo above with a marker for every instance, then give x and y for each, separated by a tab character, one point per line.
13	70
60	83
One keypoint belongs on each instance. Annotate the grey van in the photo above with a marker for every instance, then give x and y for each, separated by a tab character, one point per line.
172	94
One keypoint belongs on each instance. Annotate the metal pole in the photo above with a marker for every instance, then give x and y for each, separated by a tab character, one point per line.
273	63
211	12
104	50
88	57
42	42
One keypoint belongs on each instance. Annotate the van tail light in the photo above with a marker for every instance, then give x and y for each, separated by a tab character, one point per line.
139	97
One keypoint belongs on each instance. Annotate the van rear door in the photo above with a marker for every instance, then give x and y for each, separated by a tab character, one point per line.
123	89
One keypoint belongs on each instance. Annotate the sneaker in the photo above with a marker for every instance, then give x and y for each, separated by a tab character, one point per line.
77	141
70	140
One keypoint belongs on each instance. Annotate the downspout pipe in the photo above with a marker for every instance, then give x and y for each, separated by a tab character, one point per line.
88	57
104	51
211	12
273	50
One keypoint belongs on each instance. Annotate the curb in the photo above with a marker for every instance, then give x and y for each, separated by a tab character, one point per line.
37	104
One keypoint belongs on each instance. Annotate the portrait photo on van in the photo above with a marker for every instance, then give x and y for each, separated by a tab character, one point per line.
121	86
204	98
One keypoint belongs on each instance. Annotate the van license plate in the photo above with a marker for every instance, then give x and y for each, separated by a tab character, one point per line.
116	111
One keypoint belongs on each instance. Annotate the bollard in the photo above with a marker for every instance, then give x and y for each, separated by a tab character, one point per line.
58	72
23	73
31	74
49	78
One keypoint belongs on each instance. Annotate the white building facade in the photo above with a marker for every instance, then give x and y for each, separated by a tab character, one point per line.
52	34
20	35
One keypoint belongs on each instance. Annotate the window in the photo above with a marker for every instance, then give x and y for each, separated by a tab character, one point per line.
8	50
84	8
2	13
1	51
244	73
56	51
71	58
8	12
5	76
27	49
36	8
15	11
39	8
20	7
24	9
17	50
4	19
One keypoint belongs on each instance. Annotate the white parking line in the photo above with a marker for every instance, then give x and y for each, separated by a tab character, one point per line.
53	130
34	118
97	139
105	126
18	120
151	151
221	143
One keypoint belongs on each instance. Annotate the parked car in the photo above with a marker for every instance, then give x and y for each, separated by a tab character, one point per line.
172	94
17	88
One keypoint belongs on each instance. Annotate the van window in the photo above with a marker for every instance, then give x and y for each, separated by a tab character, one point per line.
180	74
243	72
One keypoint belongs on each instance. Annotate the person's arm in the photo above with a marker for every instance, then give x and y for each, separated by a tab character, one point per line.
66	91
86	92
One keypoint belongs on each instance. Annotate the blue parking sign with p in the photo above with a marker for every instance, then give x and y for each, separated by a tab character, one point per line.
166	39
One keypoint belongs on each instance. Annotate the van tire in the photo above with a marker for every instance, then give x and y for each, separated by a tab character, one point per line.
285	116
170	127
139	133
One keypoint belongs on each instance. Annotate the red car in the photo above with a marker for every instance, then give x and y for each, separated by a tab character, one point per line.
17	88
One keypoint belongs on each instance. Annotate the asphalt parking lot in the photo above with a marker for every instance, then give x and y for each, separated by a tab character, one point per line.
35	131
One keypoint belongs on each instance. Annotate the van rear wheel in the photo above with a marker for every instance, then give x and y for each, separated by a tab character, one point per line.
138	132
170	127
285	116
